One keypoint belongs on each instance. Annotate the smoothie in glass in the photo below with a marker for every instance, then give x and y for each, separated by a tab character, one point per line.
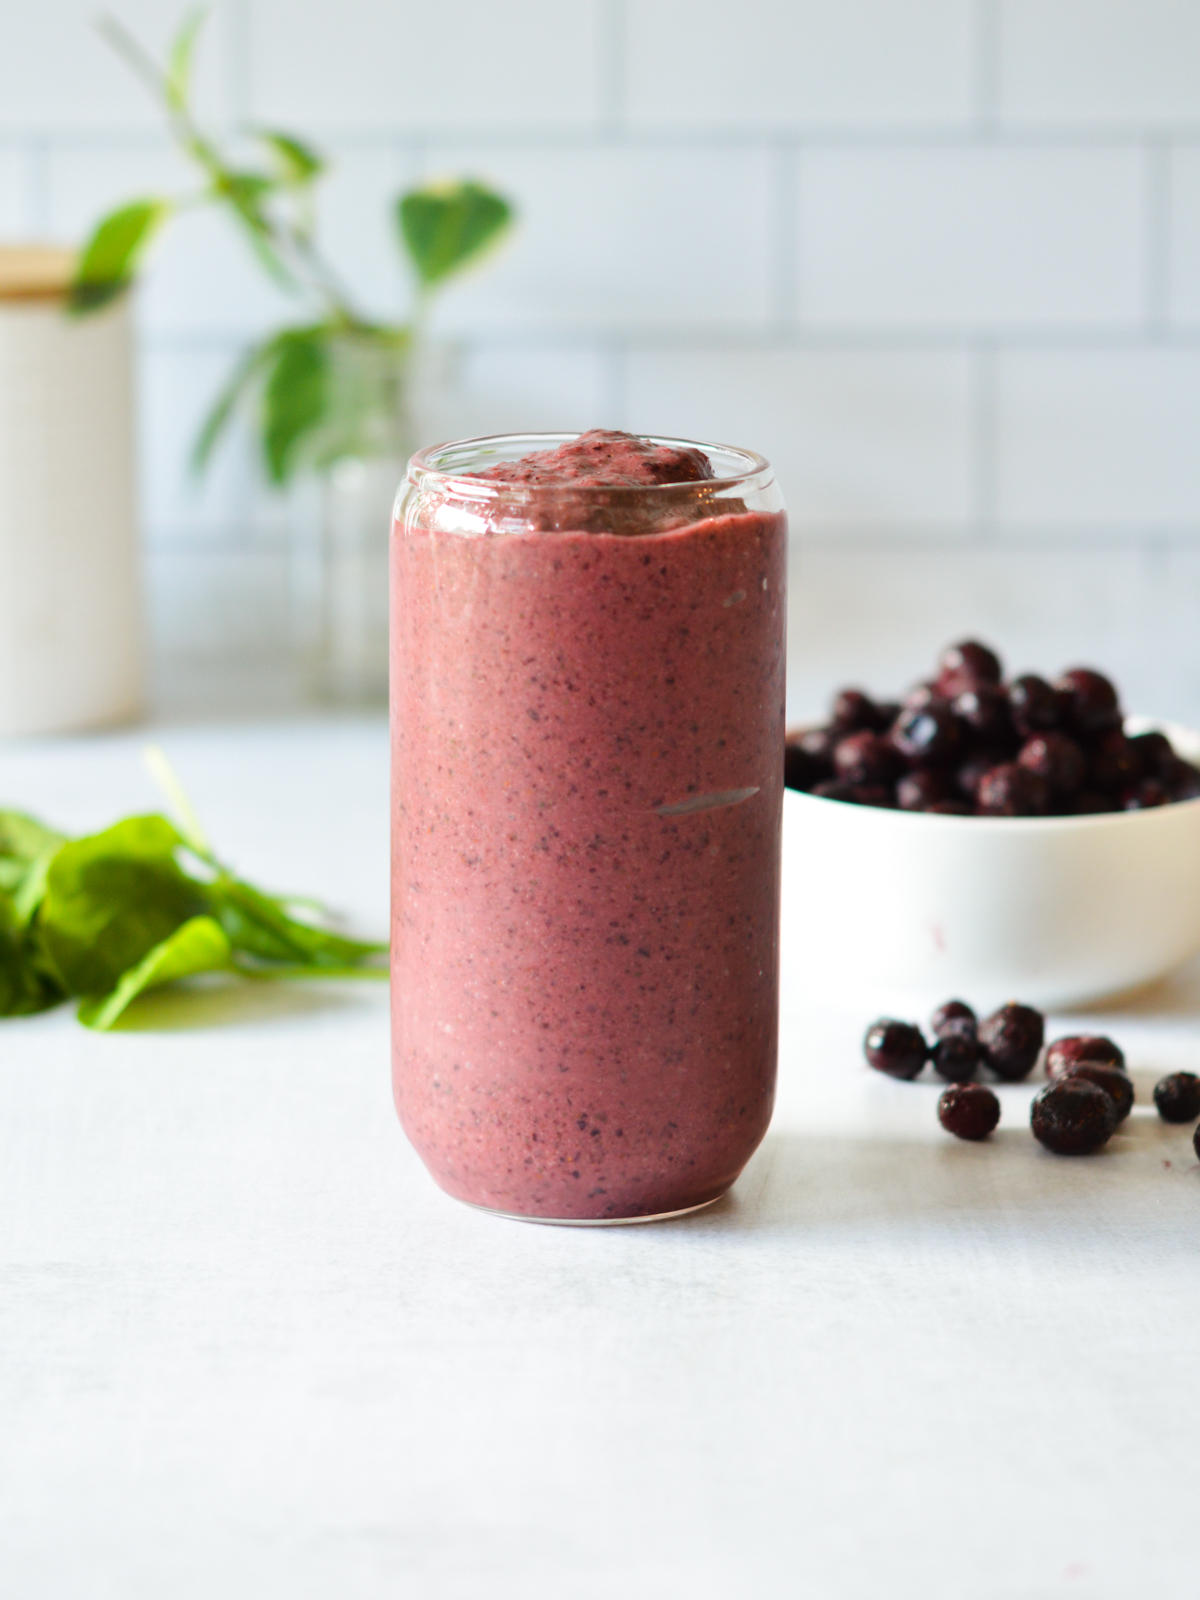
587	732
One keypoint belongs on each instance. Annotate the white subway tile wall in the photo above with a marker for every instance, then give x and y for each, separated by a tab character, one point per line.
939	258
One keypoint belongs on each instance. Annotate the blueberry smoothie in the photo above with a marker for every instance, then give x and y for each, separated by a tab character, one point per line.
587	733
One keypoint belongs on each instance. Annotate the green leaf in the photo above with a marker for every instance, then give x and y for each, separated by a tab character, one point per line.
110	898
297	163
178	81
295	399
259	927
447	225
240	379
24	988
110	257
199	945
24	838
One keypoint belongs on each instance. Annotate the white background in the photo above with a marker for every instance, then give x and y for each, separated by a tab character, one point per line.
940	259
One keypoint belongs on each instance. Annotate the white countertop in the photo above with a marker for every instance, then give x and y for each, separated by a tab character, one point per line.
248	1350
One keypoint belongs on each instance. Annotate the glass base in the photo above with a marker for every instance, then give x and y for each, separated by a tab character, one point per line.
595	1222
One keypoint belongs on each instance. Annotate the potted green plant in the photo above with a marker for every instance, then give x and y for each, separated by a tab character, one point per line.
329	394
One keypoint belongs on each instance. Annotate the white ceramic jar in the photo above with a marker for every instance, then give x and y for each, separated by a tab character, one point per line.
71	633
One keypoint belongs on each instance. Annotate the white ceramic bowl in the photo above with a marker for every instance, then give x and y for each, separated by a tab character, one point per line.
902	910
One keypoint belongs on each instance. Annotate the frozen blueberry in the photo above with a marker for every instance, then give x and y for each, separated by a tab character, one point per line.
968	1110
964	665
1177	1097
971	774
1011	1040
1145	795
955	1055
1034	705
1090	703
855	794
866	757
1058	759
897	1048
1185	781
1072	1117
1011	790
1088	803
927	735
1111	1079
1155	756
953	1012
1063	1054
918	790
802	769
818	742
1114	764
950	808
983	709
852	709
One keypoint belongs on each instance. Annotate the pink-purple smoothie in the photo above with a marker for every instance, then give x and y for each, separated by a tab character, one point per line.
587	714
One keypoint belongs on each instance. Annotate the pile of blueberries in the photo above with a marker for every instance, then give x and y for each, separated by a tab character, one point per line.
968	744
1088	1096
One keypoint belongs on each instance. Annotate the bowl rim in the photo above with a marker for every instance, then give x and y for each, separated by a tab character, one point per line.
1174	731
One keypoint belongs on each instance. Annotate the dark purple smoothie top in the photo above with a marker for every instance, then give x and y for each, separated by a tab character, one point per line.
603	458
583	487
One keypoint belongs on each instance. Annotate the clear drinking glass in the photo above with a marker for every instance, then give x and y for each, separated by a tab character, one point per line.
587	734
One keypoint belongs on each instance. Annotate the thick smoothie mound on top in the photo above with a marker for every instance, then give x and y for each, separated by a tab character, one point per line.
604	458
585	487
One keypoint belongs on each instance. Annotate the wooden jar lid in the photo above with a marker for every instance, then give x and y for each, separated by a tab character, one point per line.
35	271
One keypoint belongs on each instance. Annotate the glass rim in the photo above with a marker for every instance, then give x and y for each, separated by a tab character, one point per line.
424	469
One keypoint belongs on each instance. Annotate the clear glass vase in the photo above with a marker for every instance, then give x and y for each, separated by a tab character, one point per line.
340	557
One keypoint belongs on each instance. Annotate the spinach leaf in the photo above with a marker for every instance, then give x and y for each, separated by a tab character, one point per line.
259	927
447	225
199	945
110	898
23	838
24	987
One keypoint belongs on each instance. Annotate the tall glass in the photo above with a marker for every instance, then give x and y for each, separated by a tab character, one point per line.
587	735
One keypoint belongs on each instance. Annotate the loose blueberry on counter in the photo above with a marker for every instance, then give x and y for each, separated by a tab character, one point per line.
968	1110
1072	1117
1034	705
1111	1079
897	1048
1011	1040
1177	1097
1011	790
1063	1054
953	1012
1090	703
955	1055
1056	758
